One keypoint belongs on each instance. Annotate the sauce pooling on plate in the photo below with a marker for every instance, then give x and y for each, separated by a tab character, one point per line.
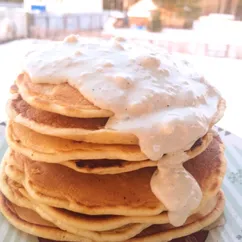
151	94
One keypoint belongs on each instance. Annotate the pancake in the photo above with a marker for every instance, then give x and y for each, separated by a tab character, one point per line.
113	194
102	167
119	166
152	234
166	232
105	166
69	224
199	236
80	129
73	222
54	150
14	193
120	234
32	144
103	198
31	223
64	224
62	99
89	166
13	171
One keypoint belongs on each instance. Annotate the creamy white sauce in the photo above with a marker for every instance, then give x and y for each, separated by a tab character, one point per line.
159	99
176	188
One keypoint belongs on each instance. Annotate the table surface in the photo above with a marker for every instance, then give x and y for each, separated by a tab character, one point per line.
232	187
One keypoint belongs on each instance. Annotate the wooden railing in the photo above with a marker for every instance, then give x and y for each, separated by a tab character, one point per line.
50	25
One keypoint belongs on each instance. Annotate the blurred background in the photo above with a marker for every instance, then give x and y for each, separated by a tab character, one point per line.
207	32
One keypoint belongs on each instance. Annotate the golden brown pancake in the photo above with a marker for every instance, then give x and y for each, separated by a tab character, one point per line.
154	233
61	98
55	150
119	166
73	222
161	232
29	222
80	129
66	225
120	194
119	234
199	236
14	193
102	167
105	166
91	166
66	100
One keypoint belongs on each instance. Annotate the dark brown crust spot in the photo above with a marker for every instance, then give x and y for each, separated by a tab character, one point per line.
196	144
114	163
53	119
99	163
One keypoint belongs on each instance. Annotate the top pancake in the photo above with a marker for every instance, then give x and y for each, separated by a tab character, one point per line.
61	98
81	129
66	100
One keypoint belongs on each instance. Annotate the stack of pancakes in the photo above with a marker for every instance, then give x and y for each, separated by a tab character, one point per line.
66	177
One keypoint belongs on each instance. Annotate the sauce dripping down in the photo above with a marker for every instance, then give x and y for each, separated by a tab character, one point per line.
176	188
152	95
